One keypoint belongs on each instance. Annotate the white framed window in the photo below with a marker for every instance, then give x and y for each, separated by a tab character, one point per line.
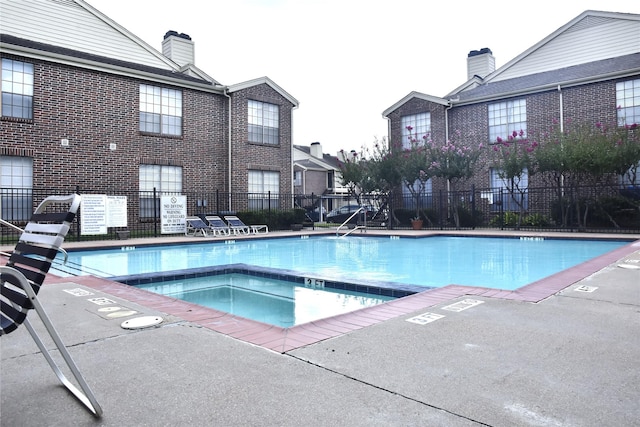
512	195
507	117
17	89
415	126
631	178
297	178
425	198
161	178
264	189
264	123
628	101
160	110
16	184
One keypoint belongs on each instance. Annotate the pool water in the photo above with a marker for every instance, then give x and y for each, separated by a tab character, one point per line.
276	302
499	263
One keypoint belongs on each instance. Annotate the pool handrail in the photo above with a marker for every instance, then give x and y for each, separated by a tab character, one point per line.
357	227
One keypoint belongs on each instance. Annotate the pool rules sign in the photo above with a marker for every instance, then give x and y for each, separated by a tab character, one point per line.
173	214
98	212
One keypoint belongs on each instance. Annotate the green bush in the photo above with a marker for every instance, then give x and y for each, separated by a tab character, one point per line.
510	219
469	219
275	220
536	220
616	211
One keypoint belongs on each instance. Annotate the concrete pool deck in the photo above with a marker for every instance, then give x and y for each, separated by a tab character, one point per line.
562	351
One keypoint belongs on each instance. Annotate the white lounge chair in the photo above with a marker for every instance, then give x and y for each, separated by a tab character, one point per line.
238	227
196	226
217	225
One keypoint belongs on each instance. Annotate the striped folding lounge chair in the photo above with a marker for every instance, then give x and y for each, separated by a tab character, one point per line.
23	275
217	225
238	227
196	226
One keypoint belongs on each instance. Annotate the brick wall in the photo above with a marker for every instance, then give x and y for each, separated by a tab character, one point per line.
266	157
588	103
93	110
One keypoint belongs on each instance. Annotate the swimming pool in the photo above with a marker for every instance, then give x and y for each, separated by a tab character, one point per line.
277	302
501	263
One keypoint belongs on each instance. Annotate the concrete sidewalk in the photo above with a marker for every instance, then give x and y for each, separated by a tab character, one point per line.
569	360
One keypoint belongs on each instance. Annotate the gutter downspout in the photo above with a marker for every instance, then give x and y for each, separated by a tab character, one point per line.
292	155
561	105
446	139
226	93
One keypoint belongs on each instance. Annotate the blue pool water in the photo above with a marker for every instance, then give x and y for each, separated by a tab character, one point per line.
277	302
502	263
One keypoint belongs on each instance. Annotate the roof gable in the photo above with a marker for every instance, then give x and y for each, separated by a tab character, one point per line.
303	157
412	95
592	36
267	81
76	25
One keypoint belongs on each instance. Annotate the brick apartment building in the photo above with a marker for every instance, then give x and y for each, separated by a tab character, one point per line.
586	71
86	104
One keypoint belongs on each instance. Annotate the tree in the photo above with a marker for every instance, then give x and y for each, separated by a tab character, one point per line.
412	165
587	154
354	174
453	160
514	159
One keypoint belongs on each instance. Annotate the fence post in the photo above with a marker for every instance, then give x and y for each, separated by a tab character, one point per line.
78	216
473	206
501	208
155	213
440	208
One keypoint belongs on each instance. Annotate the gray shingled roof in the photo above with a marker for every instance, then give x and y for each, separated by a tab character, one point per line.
17	41
327	158
550	78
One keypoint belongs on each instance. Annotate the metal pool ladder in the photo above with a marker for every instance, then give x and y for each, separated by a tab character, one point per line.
357	227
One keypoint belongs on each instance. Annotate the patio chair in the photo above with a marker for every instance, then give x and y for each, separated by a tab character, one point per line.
196	226
217	226
24	274
238	227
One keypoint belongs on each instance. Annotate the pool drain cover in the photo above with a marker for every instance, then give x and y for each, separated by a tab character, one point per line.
141	322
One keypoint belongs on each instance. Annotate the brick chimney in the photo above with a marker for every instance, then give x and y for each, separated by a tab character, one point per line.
178	48
480	63
316	150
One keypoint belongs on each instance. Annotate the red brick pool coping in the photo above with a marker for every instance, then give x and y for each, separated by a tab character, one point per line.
282	340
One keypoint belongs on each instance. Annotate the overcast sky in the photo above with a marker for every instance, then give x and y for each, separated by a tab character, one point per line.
346	61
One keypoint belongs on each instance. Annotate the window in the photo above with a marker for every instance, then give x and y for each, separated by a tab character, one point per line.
16	183
17	89
631	178
160	110
420	125
164	179
297	178
628	101
264	189
425	198
507	117
263	123
511	195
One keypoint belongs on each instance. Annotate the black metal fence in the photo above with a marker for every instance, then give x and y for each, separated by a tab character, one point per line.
590	209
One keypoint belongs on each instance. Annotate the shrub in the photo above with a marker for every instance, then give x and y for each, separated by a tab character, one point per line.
274	219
